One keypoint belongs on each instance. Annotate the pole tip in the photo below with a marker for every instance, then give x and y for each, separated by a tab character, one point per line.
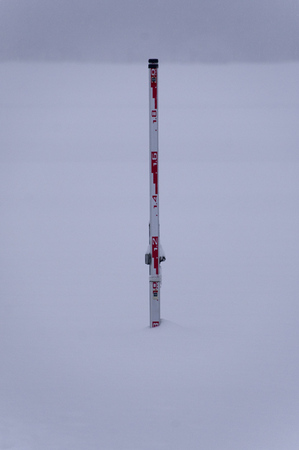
153	63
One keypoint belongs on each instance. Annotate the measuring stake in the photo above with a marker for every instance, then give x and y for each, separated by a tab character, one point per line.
154	255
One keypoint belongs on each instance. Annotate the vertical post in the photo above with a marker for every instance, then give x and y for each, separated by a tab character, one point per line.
153	257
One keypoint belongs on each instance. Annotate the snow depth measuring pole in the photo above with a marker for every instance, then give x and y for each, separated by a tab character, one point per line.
154	255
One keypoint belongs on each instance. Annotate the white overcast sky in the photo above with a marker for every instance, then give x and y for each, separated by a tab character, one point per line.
134	30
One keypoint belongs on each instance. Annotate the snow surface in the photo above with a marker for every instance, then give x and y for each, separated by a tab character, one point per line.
79	366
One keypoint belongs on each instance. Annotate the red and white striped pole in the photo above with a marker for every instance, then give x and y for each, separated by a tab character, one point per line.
154	255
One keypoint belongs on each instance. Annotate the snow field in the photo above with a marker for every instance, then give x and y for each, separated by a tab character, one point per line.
80	368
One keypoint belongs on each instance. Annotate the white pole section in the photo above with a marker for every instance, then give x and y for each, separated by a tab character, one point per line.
153	256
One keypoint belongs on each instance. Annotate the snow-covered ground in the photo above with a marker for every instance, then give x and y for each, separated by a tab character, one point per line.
79	366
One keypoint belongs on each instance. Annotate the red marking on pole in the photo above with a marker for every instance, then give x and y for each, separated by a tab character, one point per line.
154	74
154	117
155	324
155	253
154	166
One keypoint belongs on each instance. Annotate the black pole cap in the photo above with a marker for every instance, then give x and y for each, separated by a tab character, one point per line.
153	63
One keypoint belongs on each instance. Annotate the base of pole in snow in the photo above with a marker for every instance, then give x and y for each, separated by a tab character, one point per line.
153	255
154	295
